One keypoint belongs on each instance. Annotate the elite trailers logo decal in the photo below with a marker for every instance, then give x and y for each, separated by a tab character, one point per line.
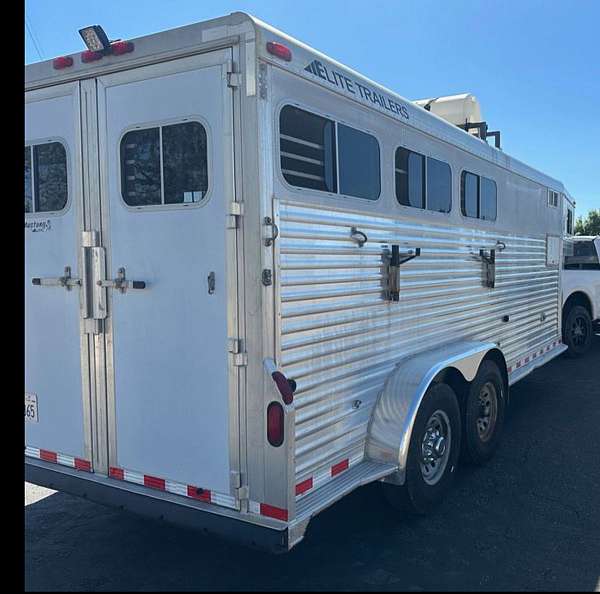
341	81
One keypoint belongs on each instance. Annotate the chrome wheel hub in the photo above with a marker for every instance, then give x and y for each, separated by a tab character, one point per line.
435	447
488	411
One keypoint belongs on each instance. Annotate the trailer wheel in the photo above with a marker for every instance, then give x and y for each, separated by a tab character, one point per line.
432	455
484	410
577	331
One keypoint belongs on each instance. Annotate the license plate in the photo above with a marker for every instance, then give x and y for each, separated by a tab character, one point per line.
31	409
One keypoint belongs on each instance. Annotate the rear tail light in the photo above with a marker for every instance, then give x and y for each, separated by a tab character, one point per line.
121	47
62	62
89	56
275	424
279	50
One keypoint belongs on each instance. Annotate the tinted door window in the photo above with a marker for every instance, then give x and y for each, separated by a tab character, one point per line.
164	165
45	177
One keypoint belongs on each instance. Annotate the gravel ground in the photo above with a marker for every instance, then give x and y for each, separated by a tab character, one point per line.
528	520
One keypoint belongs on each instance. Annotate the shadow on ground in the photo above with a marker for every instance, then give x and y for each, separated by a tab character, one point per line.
530	519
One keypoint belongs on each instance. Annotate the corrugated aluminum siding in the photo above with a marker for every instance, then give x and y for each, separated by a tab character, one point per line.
340	338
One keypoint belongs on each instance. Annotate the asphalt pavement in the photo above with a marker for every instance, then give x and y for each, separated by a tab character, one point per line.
528	520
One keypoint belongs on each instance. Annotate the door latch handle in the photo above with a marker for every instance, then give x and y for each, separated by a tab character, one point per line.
121	283
66	281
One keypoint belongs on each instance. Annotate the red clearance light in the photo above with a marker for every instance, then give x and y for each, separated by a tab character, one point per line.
286	387
279	50
62	62
121	47
89	56
275	424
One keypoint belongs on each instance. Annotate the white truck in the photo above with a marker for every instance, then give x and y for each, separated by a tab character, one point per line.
580	292
256	280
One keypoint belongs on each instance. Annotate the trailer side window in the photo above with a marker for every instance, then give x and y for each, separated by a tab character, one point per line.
164	165
45	177
307	147
439	185
569	222
488	199
358	163
423	182
469	192
410	178
479	197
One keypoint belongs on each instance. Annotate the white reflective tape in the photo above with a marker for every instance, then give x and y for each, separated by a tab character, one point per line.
65	460
177	488
32	452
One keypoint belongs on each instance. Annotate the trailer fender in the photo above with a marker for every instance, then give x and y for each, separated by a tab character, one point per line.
393	416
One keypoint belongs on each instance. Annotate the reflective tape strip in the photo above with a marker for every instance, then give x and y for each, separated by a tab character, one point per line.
340	467
272	511
324	475
531	356
267	510
58	458
161	484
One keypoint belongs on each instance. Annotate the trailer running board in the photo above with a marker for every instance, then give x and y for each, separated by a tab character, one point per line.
307	507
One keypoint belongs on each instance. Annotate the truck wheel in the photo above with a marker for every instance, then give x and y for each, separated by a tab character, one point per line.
432	455
577	331
484	409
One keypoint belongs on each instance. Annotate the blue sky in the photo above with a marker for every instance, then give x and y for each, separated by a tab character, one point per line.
534	65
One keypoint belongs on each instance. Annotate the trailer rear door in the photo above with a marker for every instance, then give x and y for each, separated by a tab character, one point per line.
57	376
166	153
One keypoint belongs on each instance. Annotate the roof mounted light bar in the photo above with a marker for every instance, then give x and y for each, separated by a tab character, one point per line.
95	39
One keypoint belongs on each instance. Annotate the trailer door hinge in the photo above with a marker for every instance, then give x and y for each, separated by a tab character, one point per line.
240	358
236	211
234	79
235	481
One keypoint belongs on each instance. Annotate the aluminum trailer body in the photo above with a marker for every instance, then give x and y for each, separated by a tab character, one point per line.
245	266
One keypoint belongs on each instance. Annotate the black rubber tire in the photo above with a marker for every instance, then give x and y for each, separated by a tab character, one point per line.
416	496
474	449
577	315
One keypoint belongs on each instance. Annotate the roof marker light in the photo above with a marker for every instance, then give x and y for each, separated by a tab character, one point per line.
121	47
279	50
62	62
90	56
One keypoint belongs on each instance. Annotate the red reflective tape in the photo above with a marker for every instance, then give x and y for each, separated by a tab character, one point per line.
198	493
273	512
339	467
304	486
510	370
154	482
48	456
83	465
116	473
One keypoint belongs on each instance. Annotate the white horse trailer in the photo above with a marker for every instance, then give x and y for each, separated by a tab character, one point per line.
256	280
